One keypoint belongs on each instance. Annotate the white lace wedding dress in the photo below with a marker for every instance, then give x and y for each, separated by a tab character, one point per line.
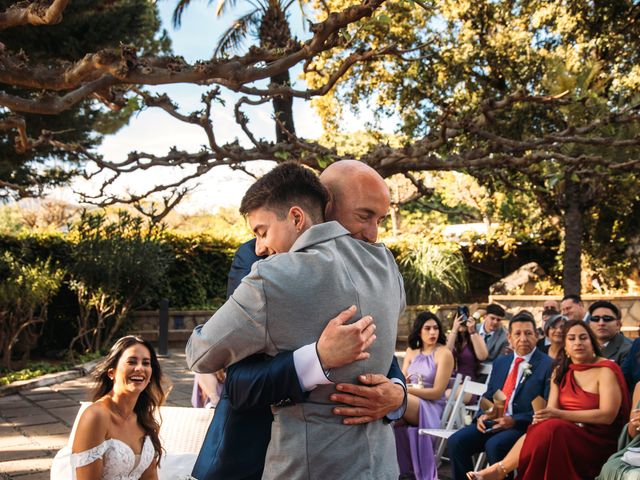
119	461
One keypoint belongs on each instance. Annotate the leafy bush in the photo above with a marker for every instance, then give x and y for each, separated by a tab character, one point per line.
115	266
25	292
433	274
197	276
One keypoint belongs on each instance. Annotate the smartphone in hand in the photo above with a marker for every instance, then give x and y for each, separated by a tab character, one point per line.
489	424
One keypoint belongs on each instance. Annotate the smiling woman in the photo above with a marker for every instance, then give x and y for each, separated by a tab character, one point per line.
118	435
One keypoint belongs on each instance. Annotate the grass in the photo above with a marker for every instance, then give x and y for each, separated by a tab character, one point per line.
37	369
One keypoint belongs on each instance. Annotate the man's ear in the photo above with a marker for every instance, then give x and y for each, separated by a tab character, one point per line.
328	209
299	218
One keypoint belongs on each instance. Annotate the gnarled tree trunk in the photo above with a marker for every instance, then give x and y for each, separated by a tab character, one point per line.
573	226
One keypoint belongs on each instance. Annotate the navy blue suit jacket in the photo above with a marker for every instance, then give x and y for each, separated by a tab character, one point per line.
236	443
631	365
527	389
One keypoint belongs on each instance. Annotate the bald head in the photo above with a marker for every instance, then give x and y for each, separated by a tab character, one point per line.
359	197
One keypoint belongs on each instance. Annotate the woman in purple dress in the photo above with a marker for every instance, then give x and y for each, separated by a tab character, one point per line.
427	365
468	348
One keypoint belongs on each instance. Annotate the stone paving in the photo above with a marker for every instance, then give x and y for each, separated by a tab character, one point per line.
35	424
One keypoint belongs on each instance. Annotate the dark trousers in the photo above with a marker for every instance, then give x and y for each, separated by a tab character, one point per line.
468	441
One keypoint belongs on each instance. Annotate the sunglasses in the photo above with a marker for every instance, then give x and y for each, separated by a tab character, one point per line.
604	318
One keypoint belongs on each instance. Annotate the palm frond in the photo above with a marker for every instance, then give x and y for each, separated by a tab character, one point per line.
233	37
224	5
433	274
176	18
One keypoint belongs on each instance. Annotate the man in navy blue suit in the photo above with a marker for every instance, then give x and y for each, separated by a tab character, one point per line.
236	443
631	365
529	379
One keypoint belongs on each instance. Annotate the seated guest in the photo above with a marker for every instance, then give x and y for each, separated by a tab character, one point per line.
550	308
549	305
616	467
467	347
605	324
493	333
427	366
572	307
576	432
522	376
631	365
553	332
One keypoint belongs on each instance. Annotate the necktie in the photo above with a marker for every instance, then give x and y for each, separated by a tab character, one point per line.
510	383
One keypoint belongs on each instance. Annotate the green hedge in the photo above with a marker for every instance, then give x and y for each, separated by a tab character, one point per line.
196	278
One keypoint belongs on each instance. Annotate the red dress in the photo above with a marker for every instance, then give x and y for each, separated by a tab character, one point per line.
561	450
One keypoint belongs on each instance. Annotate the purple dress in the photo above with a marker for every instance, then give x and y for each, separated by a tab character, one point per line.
466	363
416	452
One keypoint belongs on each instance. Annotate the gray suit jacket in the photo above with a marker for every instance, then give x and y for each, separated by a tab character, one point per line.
617	348
283	304
496	344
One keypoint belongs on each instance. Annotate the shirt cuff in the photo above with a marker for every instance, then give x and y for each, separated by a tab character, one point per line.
397	414
308	368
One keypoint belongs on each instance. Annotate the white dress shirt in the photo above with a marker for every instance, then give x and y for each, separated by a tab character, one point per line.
521	367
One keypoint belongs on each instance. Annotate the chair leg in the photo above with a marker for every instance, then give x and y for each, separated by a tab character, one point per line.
482	461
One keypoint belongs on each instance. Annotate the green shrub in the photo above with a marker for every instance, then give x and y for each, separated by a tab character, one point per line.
433	274
25	292
116	266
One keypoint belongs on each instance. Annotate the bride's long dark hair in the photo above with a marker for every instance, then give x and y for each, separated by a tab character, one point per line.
150	398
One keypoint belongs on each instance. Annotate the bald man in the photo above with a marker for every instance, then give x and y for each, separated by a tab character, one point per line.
236	443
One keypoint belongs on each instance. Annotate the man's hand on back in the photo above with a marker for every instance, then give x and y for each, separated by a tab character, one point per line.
341	344
371	401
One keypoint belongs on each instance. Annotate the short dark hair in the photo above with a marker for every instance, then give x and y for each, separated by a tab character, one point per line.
573	297
605	304
495	309
522	317
285	186
415	340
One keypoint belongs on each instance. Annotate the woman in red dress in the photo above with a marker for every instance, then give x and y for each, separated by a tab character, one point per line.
574	435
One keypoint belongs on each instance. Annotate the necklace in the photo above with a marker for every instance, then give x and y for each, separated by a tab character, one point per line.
119	412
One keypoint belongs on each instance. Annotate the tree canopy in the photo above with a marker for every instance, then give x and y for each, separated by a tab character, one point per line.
30	157
522	94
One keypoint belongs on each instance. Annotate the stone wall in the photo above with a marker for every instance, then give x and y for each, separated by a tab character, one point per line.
182	322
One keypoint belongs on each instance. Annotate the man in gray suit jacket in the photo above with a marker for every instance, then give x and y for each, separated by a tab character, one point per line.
493	333
283	304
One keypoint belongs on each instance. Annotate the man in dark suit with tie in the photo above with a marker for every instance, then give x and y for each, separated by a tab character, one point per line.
236	443
522	376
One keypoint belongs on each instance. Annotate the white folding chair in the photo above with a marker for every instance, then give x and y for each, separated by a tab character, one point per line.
477	389
485	369
456	419
448	408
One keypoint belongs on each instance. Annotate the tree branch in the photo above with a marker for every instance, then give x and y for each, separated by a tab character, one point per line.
39	12
125	68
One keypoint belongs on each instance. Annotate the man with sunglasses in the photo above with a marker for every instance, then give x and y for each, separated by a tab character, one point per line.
605	324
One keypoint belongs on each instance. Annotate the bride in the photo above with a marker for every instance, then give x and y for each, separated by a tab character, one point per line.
117	437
